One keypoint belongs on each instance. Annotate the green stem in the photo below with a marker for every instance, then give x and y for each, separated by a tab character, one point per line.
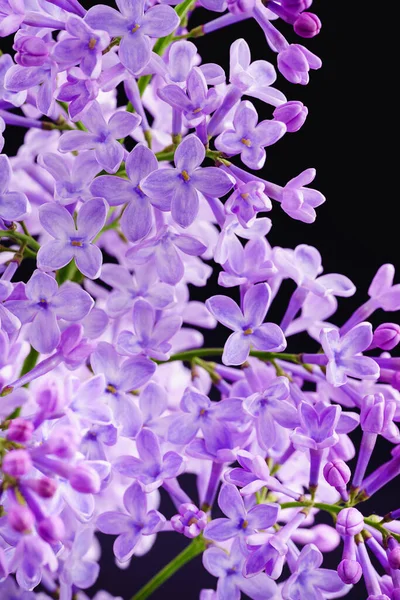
165	155
194	549
198	352
30	361
20	237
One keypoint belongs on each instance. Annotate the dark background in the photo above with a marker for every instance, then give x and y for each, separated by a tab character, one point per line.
349	137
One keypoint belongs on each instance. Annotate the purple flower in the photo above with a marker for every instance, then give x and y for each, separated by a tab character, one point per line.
85	47
343	354
248	325
130	527
293	114
271	410
307	25
78	569
72	242
12	14
239	521
253	79
249	139
246	201
199	413
190	521
152	468
45	304
228	569
13	205
15	98
127	288
135	26
31	51
300	202
137	217
120	380
309	580
29	560
151	336
318	426
248	265
101	136
295	61
182	185
19	79
197	102
71	181
164	251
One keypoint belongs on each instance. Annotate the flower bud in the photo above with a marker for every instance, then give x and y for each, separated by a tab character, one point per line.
376	413
51	529
20	430
349	571
64	442
307	25
394	558
20	518
349	521
17	463
296	6
191	521
386	336
31	51
43	487
292	113
337	473
85	480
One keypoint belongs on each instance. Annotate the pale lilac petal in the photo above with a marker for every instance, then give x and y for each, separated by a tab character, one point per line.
13	206
88	260
182	429
135	502
190	154
336	284
165	329
269	132
172	465
226	311
143	319
335	375
327	580
113	522
359	338
105	360
160	184
107	19
308	260
255	304
180	59
72	303
76	140
245	118
190	245
140	163
184	204
122	123
229	142
237	348
135	372
135	51
361	367
44	333
269	338
216	561
227	587
128	416
109	155
57	221
221	530
148	447
153	401
262	516
114	189
260	587
137	219
175	97
91	218
54	255
382	281
124	545
211	181
41	286
231	502
159	21
170	267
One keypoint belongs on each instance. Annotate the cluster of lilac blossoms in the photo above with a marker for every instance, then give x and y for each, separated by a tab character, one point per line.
136	172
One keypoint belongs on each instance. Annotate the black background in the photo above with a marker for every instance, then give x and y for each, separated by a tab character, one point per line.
350	138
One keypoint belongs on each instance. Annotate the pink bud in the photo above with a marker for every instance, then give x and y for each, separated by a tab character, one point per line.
307	25
386	336
349	521
20	430
51	529
17	463
349	571
292	113
64	442
43	487
85	480
20	518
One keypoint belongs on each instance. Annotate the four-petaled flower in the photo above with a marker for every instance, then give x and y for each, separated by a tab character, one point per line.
248	325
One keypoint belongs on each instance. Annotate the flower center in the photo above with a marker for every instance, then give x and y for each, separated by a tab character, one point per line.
111	388
245	195
246	142
185	176
248	331
92	43
197	110
77	243
244	524
135	28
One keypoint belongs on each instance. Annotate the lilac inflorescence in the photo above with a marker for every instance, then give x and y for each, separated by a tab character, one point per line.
108	394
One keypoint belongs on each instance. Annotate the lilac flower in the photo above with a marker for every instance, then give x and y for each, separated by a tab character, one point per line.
164	251
248	265
249	139
246	201
13	205
135	26
248	325
309	578
228	569
31	51
127	288
12	14
152	468
295	62
137	217
293	114
343	354
15	98
183	184
253	79
19	79
300	202
121	379
84	403
102	137
130	527
197	102
271	410
151	336
190	521
72	242
199	413
29	560
71	181
78	569
45	304
239	521
85	47
318	426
